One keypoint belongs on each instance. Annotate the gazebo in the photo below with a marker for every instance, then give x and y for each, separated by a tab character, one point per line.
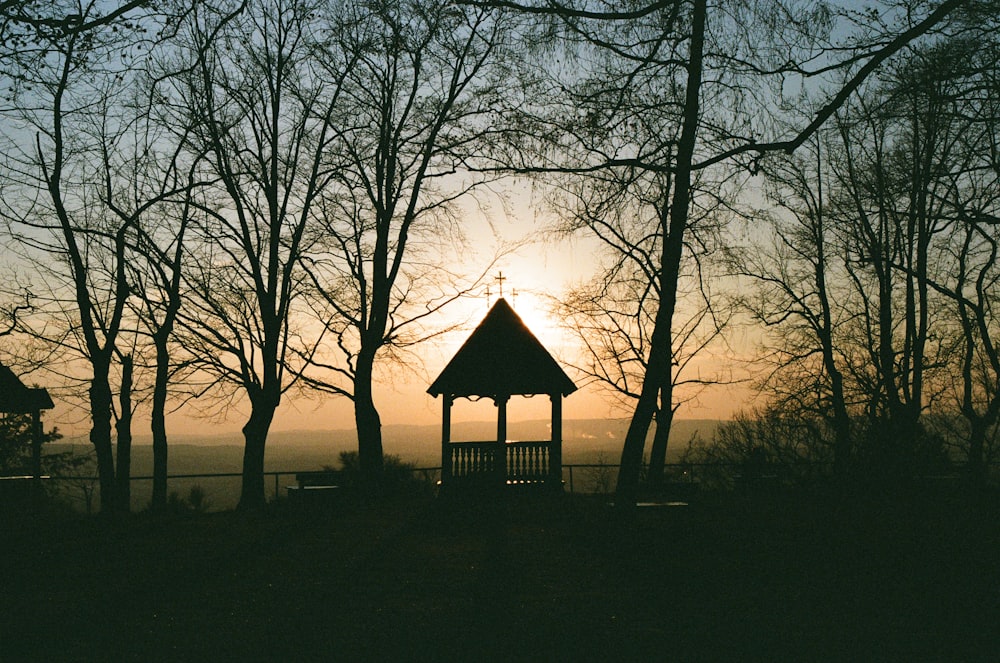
16	398
502	358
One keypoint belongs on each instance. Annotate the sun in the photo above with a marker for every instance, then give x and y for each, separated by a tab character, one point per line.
533	309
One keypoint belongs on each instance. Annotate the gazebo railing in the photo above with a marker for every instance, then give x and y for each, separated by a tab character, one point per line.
525	462
473	459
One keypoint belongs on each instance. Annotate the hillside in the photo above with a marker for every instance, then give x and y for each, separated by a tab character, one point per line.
583	441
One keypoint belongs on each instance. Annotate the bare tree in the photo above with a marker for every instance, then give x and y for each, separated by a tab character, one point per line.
418	105
262	100
160	279
797	270
612	316
148	182
728	67
974	295
880	272
891	214
66	92
958	82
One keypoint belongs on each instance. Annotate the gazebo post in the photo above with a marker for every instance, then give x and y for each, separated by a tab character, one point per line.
501	449
555	446
446	439
36	451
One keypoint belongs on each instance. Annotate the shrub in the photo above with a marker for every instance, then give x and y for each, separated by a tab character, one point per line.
196	501
397	476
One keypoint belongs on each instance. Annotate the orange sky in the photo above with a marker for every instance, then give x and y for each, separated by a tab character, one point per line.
535	269
541	266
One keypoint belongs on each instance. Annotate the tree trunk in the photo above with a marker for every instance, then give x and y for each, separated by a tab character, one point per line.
661	438
100	433
976	464
255	439
841	420
123	473
660	354
979	425
369	424
158	425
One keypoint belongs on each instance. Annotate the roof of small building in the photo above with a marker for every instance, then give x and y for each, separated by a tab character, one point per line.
16	397
502	358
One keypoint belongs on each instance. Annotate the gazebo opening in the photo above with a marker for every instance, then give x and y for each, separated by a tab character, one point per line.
501	359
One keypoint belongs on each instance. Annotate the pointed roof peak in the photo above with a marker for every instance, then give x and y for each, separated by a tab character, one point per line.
15	397
502	358
502	308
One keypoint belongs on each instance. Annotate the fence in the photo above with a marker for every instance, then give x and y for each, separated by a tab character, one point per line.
587	478
221	490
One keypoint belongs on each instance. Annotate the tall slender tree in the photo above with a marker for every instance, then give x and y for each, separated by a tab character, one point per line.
729	66
263	100
417	107
65	91
796	270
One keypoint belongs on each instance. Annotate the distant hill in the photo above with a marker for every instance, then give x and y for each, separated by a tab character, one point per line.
583	440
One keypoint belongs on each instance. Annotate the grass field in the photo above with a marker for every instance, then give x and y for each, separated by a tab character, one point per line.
789	577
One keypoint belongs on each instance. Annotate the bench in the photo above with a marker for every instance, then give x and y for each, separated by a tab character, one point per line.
313	487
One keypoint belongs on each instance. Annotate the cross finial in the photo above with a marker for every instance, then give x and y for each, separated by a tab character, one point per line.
501	278
487	296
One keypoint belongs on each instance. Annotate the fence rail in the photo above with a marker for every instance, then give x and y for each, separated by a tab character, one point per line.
577	477
275	480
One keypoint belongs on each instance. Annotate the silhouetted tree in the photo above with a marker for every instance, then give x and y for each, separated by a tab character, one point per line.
418	103
952	92
66	91
724	80
796	271
262	100
975	295
161	250
153	164
892	216
611	317
871	240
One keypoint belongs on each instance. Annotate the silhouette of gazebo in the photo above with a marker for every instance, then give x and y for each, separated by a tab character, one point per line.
16	398
502	358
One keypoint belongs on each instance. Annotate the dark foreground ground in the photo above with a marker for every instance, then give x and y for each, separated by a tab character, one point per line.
792	577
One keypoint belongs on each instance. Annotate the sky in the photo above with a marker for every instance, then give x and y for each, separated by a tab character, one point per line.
542	266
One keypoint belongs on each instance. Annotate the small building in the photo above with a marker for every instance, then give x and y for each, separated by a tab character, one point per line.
501	359
16	398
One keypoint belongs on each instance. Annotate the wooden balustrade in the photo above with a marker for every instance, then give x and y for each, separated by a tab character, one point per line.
525	462
472	459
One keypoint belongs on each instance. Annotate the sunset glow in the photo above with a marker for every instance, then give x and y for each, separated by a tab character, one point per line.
471	330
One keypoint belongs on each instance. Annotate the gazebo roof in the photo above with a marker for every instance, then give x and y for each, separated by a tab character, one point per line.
502	358
15	397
